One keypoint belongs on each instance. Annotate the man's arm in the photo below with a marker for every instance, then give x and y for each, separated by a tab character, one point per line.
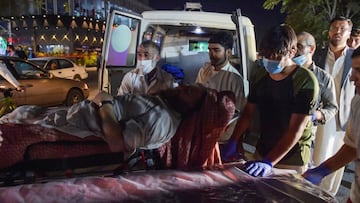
288	140
244	121
112	129
345	155
234	145
125	86
328	100
296	128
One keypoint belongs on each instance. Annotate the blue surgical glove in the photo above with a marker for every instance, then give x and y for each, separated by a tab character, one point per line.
315	175
313	117
258	168
229	151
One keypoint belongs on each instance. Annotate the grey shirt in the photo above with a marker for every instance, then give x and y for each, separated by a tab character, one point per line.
149	122
326	102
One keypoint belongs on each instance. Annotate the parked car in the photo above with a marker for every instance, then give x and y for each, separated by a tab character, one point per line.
46	89
61	67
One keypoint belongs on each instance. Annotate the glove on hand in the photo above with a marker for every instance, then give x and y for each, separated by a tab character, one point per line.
229	151
258	168
313	117
315	175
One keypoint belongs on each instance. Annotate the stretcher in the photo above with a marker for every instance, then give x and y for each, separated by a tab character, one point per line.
221	185
33	150
29	150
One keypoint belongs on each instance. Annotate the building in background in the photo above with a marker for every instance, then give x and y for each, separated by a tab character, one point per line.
70	28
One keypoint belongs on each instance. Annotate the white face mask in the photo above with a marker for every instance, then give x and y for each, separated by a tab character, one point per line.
146	66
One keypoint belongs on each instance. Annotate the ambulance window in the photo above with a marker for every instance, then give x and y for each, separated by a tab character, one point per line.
198	46
154	34
123	39
148	34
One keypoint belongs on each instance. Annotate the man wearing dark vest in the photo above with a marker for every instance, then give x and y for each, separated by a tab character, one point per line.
336	59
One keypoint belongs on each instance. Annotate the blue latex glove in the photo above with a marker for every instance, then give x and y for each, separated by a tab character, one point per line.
229	151
313	117
315	175
258	168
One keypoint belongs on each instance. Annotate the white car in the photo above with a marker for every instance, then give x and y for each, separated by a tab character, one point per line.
61	67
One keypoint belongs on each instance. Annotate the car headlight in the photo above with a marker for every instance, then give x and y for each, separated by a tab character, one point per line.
85	86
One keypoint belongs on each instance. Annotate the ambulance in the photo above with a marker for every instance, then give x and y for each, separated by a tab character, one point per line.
182	36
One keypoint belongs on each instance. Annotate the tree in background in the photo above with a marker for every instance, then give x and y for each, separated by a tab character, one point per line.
314	16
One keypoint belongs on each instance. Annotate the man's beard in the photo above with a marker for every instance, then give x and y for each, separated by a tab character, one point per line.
217	63
336	42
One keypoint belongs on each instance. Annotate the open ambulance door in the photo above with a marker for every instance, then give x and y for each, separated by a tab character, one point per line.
247	53
247	48
118	56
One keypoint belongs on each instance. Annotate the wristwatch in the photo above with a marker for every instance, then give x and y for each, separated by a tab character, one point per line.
102	103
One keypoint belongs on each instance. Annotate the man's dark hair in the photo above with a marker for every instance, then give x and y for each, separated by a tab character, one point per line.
11	46
223	38
149	43
278	41
342	18
355	32
356	53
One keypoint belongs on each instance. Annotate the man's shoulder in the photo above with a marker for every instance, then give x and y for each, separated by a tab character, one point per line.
320	72
232	69
260	72
229	74
304	73
320	55
349	51
164	74
135	71
305	79
321	51
130	75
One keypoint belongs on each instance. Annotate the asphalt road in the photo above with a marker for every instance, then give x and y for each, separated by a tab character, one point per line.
92	81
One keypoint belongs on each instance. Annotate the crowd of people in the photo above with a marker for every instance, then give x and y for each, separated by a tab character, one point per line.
305	97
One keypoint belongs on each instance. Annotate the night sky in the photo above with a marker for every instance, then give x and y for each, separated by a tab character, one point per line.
261	18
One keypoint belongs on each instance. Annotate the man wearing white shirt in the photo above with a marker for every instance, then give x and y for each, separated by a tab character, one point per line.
350	150
336	59
219	74
147	77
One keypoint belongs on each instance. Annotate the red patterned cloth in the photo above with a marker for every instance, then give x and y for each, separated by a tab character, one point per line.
195	142
18	137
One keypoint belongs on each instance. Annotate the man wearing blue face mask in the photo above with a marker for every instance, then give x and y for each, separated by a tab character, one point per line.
147	77
326	107
284	94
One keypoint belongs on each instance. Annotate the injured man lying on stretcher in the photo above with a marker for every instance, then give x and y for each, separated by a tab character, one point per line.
131	121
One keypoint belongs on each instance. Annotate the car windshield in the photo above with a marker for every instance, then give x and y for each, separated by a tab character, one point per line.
40	63
26	70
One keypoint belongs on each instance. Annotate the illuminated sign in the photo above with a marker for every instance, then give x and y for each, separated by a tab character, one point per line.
3	44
